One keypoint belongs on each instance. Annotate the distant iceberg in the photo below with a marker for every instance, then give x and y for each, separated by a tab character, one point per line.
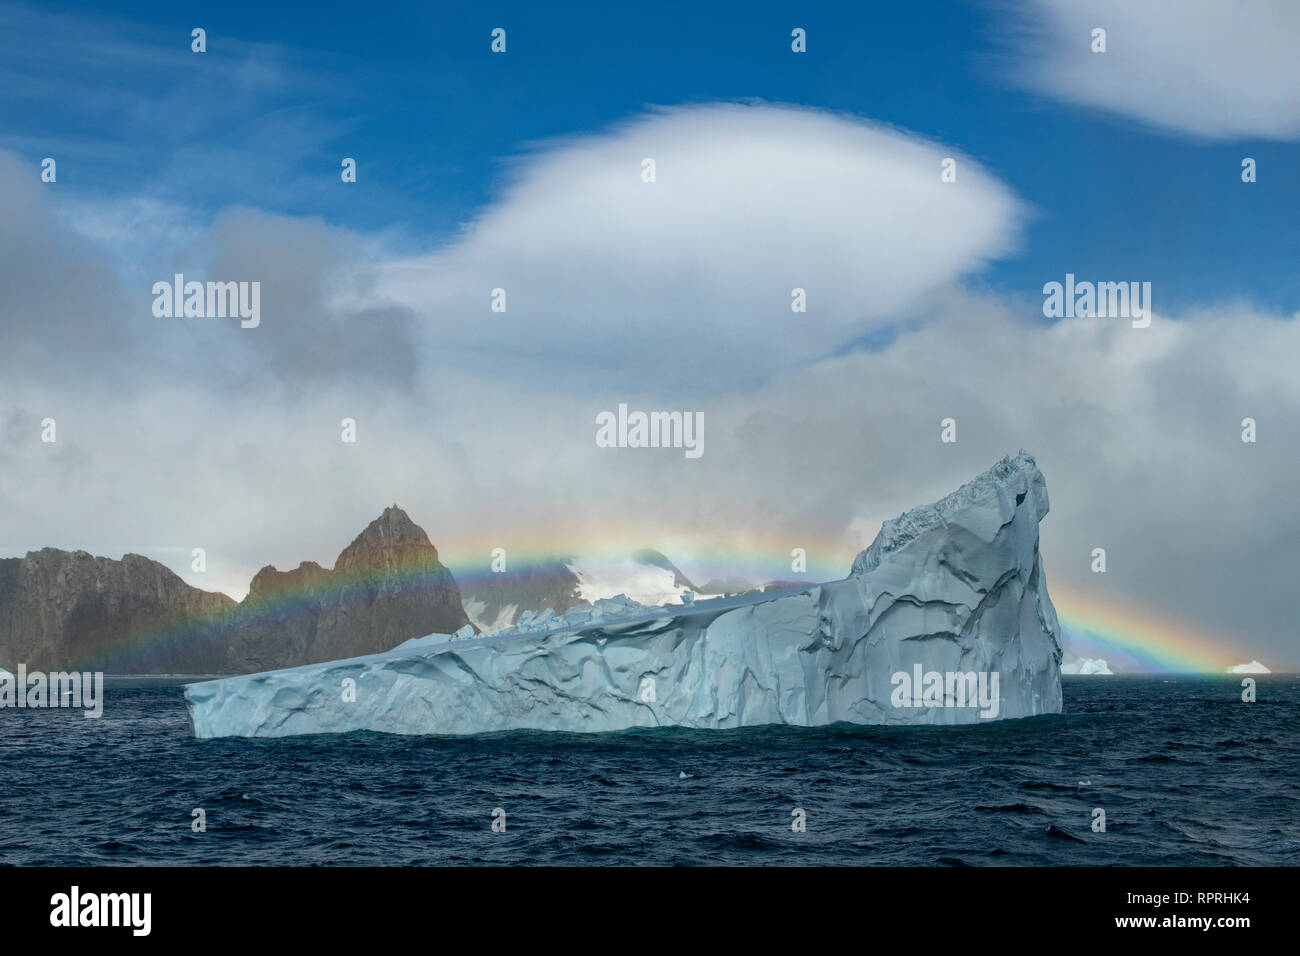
1085	665
949	597
1254	667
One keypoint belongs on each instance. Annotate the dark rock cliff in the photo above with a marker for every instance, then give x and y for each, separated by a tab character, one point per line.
64	609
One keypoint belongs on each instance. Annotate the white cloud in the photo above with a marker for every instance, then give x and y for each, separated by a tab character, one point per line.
607	274
1210	68
1137	431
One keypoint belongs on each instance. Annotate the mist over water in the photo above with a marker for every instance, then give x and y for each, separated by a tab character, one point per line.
1186	772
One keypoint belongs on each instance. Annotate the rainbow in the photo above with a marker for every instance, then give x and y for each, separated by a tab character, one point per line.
297	594
1134	640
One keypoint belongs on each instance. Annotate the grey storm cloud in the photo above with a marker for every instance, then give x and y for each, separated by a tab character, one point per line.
318	320
62	305
72	311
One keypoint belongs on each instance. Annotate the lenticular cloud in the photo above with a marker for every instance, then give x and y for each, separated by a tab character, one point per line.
603	268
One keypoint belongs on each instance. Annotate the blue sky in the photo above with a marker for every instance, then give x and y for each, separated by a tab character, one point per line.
415	95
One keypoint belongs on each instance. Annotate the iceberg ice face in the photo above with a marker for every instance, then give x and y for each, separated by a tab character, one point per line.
945	619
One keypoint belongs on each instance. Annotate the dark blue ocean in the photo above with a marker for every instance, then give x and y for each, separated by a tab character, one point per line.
1185	771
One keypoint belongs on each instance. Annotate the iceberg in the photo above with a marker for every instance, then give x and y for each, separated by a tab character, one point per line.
948	597
1072	665
1254	667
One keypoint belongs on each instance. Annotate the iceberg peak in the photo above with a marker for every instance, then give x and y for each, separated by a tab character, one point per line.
1010	476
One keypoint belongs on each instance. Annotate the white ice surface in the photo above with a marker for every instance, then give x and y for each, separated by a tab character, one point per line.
1254	667
1086	665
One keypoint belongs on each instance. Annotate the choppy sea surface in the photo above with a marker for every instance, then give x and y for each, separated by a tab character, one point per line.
1185	771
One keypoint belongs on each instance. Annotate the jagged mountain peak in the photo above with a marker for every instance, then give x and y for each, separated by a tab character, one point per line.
135	615
392	536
